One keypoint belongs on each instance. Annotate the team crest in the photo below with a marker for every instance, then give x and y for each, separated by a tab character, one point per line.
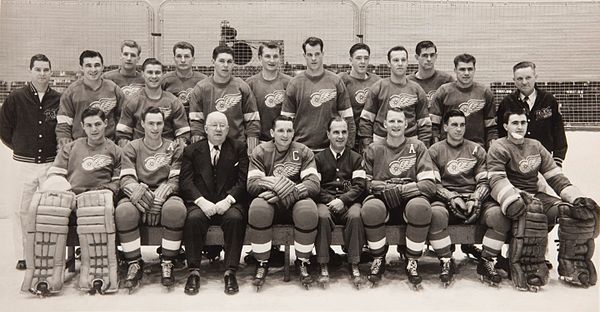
322	96
50	114
543	113
286	169
184	95
471	106
430	95
105	104
361	95
530	163
153	163
95	162
132	89
275	98
227	101
460	165
398	167
402	100
166	111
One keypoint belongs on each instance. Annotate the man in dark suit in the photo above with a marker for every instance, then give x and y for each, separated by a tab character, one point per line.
213	185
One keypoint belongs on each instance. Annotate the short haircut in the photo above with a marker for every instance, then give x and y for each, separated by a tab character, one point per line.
221	49
453	113
131	44
524	64
465	58
513	111
183	45
425	44
92	111
359	46
280	118
333	119
151	61
312	41
396	48
395	109
269	45
90	54
152	110
40	58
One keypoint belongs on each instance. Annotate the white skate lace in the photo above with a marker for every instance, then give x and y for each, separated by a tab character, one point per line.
167	268
376	266
261	270
133	270
488	265
411	267
446	265
355	271
304	267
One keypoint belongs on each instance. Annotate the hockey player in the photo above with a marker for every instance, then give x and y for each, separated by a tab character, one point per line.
27	125
126	76
90	91
514	163
315	96
395	91
358	81
88	167
339	202
268	87
400	176
175	124
150	182
545	122
462	196
429	78
181	82
283	177
229	95
472	98
213	184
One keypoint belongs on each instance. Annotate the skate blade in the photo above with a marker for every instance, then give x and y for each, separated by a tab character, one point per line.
487	282
415	287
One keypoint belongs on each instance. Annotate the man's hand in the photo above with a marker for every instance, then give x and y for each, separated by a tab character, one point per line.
207	206
458	207
336	205
223	205
269	196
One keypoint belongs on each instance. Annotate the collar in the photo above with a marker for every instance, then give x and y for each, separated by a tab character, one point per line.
210	146
34	90
334	152
532	96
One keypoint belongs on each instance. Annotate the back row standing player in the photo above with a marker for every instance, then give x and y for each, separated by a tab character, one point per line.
426	75
126	76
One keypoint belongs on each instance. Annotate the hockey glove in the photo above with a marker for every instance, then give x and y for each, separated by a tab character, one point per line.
584	208
283	187
162	193
516	209
139	195
458	207
474	208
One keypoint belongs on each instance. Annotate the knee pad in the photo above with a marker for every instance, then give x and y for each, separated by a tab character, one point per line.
305	214
439	218
260	214
373	212
575	251
46	239
495	220
418	211
127	217
173	213
96	230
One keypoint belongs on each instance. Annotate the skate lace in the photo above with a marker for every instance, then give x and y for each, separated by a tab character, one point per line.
355	271
411	267
167	268
375	267
133	270
304	268
261	271
446	265
489	266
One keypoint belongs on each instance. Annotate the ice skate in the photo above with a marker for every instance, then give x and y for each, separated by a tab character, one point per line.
134	275
41	290
487	272
262	268
376	271
448	268
356	278
471	251
305	278
414	279
166	277
323	279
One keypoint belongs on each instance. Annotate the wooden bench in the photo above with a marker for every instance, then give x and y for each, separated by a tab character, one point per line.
284	235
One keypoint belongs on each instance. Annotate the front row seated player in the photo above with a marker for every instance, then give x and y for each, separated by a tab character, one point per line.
462	195
283	178
150	183
514	163
400	175
84	177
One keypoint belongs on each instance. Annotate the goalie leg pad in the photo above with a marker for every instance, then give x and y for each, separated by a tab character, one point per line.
96	230
576	248
527	250
46	239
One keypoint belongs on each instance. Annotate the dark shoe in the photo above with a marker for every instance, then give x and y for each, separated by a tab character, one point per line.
335	260
193	284
21	265
212	253
231	284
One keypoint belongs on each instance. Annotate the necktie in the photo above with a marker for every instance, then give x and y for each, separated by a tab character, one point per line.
215	158
338	156
526	100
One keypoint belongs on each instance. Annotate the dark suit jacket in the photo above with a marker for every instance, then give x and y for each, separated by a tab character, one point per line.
199	178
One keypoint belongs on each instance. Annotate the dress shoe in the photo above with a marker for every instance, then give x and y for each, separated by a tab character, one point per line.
21	265
231	285
193	284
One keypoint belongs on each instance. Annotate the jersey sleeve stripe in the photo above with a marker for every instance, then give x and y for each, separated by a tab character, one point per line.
426	175
128	171
346	113
308	171
255	173
61	119
359	174
182	130
196	116
436	119
425	121
123	128
552	173
490	123
367	115
251	116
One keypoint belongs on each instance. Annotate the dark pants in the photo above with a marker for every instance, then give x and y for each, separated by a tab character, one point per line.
233	223
354	232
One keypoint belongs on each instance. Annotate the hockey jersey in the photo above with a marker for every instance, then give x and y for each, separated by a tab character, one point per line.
358	90
431	84
409	97
459	168
342	178
130	85
181	87
269	98
130	124
233	98
78	96
476	102
312	101
88	167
